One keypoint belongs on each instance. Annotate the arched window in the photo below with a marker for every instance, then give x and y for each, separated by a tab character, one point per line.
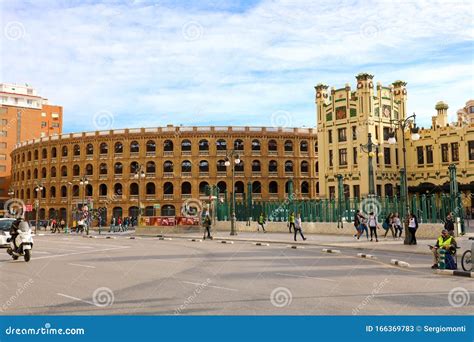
168	146
35	174
168	210
103	169
134	166
54	153
150	167
272	145
221	166
118	190
203	188
150	146
168	188
44	153
238	145
36	154
63	171
150	188
221	145
256	166
52	192
89	149
77	150
222	186
186	145
89	190
304	146
186	166
76	170
118	168
103	190
239	187
75	190
288	166
168	166
255	145
63	191
203	145
28	194
28	174
118	147
89	169
272	166
317	187
239	167
288	146
53	172
287	187
23	174
117	212
317	167
29	154
203	166
134	189
186	188
256	187
43	172
316	147
64	151
134	147
304	166
273	187
104	148
304	187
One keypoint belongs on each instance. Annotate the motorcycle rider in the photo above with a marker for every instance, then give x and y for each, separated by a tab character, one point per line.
18	224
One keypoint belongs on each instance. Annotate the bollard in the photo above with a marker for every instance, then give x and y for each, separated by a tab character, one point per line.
442	259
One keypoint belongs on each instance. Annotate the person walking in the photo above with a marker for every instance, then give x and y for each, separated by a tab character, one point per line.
112	224
207	222
449	223
357	223
291	221
261	222
397	224
412	227
119	223
298	227
363	227
373	225
388	225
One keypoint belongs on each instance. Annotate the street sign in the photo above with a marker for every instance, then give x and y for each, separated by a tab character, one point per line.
28	208
156	206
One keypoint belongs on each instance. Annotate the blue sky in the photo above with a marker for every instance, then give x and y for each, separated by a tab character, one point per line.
137	63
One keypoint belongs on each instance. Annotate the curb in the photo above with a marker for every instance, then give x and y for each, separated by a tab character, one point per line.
227	241
195	240
110	237
399	263
295	246
327	250
455	273
163	238
261	244
367	256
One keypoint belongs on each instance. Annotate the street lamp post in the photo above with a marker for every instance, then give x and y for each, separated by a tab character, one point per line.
402	124
83	182
68	203
368	148
139	175
39	192
232	154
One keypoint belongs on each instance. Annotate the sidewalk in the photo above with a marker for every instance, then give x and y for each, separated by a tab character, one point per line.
329	241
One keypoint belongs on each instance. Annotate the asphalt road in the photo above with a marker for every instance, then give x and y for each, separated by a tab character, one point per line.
72	275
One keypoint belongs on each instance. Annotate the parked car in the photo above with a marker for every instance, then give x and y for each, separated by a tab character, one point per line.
5	224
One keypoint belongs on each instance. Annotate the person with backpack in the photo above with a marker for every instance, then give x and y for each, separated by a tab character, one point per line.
373	225
299	227
363	226
357	223
261	222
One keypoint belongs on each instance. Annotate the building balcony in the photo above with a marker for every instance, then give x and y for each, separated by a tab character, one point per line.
134	154
118	176
150	197
289	153
256	153
204	153
256	173
168	175
239	173
103	156
186	196
168	197
186	174
168	153
151	154
118	155
273	174
203	174
272	153
103	177
186	153
150	175
221	173
221	152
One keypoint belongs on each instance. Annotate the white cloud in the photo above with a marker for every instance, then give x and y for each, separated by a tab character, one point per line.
134	60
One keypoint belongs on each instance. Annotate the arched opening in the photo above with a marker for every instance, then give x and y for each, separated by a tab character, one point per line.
203	166
256	145
168	146
256	187
168	188
150	188
304	187
134	147
118	148
89	149
150	146
221	145
76	150
117	212
239	145
186	188
168	210
134	189
168	166
104	148
186	166
272	166
203	145
186	145
256	167
103	190
239	187
150	167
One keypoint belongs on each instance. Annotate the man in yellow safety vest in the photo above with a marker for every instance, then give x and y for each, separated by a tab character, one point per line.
446	242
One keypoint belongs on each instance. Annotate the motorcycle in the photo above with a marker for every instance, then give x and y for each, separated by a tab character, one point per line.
24	241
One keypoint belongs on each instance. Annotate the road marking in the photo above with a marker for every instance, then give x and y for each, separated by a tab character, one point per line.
216	287
75	298
41	252
80	265
301	276
84	252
